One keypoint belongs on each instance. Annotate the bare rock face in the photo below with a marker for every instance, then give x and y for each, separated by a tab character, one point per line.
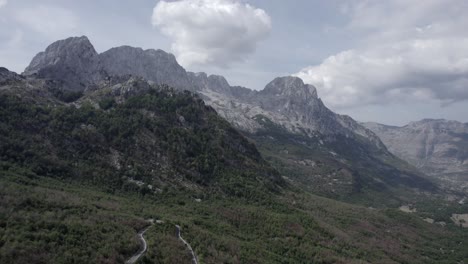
73	61
292	87
288	103
436	146
300	103
217	83
153	65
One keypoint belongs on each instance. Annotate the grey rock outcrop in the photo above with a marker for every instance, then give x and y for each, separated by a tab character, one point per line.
153	65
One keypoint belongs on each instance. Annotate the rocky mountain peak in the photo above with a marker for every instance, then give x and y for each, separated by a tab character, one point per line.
290	86
220	80
73	61
60	52
290	96
162	54
219	84
135	51
154	65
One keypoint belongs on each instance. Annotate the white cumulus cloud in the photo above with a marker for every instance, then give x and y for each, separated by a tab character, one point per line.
410	50
216	32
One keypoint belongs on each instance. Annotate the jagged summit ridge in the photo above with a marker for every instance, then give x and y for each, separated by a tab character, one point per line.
154	65
75	62
439	124
286	101
203	81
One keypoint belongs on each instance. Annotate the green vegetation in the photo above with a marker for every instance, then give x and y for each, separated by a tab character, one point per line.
44	220
161	138
65	95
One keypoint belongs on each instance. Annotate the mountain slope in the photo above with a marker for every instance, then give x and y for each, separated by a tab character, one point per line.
79	176
287	105
317	149
438	147
126	132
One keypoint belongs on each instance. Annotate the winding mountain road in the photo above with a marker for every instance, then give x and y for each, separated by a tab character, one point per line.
143	247
194	257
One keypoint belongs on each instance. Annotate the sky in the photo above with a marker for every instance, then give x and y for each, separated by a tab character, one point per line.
391	62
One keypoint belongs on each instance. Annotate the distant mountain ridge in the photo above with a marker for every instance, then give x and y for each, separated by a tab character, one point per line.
439	147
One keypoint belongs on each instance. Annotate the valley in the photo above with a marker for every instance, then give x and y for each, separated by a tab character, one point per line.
96	225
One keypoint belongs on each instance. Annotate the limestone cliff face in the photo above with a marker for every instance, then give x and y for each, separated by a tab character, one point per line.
153	65
289	103
436	146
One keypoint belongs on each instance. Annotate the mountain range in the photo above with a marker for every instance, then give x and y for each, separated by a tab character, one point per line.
99	148
287	101
351	157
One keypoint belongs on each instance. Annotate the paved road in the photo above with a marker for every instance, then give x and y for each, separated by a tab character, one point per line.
194	257
143	247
